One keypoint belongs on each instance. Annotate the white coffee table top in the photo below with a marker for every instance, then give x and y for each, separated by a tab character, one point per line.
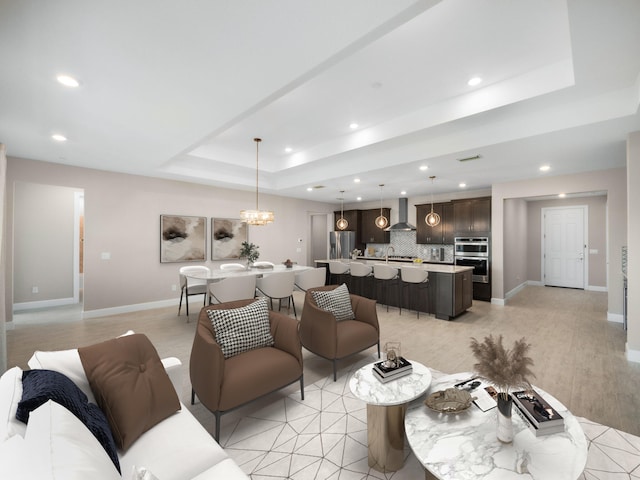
455	446
368	388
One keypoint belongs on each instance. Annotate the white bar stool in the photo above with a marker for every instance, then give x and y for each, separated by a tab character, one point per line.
338	271
358	272
415	276
385	275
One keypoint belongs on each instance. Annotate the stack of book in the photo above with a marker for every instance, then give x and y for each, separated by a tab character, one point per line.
541	418
386	374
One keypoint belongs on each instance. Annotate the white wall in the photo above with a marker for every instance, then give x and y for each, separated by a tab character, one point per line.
122	217
633	266
3	308
515	244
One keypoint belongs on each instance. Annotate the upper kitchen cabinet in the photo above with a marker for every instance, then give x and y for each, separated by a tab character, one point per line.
442	233
353	217
472	216
370	233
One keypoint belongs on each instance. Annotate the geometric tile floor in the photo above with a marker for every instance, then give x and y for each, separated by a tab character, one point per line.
325	437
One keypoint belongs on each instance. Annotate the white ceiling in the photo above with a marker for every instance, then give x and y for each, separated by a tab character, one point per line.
179	90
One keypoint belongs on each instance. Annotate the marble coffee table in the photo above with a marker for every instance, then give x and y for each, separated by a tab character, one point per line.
386	407
464	445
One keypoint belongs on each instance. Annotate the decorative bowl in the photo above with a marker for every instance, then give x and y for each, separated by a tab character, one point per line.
450	400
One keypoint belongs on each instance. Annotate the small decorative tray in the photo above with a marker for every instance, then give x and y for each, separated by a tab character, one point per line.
450	400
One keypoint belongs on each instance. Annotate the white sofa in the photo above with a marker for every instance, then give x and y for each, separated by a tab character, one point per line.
177	448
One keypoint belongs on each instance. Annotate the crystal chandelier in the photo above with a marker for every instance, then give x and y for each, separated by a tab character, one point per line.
342	223
257	216
381	221
432	219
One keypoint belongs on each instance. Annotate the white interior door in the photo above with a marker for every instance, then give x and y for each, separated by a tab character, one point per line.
564	246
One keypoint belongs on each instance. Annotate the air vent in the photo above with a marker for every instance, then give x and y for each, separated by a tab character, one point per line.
467	159
318	187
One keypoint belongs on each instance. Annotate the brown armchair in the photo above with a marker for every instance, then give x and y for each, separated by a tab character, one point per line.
225	384
321	334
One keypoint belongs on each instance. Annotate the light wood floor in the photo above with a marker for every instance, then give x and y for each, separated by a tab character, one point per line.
579	355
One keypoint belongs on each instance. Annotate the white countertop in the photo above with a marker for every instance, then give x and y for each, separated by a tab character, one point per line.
430	267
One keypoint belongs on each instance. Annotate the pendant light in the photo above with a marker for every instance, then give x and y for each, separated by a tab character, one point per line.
432	219
342	223
381	221
257	216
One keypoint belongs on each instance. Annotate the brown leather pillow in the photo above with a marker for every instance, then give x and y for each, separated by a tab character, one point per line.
130	385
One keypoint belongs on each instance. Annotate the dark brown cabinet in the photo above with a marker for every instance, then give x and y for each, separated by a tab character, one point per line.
370	233
441	233
353	217
452	293
472	216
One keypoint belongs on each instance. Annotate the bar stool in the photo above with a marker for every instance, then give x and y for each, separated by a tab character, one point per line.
384	275
338	270
358	272
415	276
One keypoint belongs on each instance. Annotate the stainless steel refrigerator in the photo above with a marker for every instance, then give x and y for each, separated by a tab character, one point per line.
341	244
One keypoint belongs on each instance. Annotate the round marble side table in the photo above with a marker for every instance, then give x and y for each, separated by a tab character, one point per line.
386	407
464	445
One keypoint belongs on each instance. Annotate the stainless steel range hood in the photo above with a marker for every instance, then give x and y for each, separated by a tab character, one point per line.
402	225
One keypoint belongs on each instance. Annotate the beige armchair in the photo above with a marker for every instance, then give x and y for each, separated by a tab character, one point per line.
223	384
321	334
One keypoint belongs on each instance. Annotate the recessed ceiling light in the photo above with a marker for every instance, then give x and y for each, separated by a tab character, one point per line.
424	167
68	81
309	189
356	180
545	168
562	195
462	185
288	149
359	198
353	126
473	81
59	138
404	192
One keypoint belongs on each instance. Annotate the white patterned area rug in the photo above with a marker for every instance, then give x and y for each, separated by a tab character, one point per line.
324	437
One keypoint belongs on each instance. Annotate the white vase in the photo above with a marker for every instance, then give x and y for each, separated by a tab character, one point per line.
504	429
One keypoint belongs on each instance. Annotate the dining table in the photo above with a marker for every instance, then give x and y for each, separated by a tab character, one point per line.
215	275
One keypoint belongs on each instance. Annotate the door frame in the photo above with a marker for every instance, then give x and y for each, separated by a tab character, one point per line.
585	237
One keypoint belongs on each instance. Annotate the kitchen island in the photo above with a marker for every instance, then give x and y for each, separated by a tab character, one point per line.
450	291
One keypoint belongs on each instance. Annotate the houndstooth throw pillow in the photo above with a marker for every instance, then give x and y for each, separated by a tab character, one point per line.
336	301
241	329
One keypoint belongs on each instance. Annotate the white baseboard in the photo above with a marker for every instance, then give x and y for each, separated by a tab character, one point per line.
498	301
535	283
103	312
515	290
58	302
615	317
632	355
593	288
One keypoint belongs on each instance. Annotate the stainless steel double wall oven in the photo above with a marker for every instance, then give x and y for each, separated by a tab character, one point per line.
473	252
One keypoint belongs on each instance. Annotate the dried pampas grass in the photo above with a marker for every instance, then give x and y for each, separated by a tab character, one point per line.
504	368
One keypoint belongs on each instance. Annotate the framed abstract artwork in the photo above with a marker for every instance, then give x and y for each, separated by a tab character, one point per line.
227	235
182	238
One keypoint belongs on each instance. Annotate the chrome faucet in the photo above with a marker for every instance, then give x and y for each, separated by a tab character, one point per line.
386	255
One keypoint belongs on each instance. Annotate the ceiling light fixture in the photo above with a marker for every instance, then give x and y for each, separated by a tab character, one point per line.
59	138
381	221
342	223
68	81
353	126
257	216
432	219
462	185
545	168
473	81
424	167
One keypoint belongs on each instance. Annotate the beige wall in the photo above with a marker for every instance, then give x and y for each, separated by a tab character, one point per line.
633	266
43	222
122	215
596	237
3	309
613	182
515	244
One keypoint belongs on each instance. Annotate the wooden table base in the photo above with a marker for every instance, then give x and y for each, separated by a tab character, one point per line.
385	435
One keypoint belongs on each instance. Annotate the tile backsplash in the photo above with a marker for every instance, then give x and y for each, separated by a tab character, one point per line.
404	244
